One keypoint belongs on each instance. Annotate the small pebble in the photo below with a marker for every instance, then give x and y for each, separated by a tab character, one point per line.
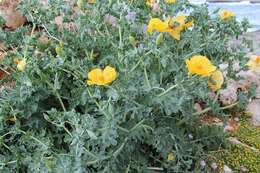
202	163
227	169
214	166
190	136
243	169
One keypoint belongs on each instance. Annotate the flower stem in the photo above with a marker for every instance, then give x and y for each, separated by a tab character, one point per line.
168	90
209	109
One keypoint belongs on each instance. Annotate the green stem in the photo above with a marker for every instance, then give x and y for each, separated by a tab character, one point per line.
57	95
46	117
137	125
50	33
120	37
98	105
123	129
4	71
168	90
7	163
115	154
222	108
89	153
34	138
146	77
207	110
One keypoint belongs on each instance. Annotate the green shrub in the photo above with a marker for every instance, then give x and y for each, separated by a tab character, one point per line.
52	121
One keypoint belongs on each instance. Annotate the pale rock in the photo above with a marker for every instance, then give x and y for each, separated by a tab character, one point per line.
254	109
227	169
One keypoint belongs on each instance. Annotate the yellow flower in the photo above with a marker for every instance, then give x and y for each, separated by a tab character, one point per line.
91	1
170	157
157	24
101	77
150	3
200	65
169	1
216	80
21	64
225	14
179	24
173	26
160	26
254	63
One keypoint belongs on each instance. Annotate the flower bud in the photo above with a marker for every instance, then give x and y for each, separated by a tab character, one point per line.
58	50
132	41
159	39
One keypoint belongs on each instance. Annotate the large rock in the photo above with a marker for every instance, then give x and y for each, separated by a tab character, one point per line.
216	1
227	169
254	109
255	1
253	36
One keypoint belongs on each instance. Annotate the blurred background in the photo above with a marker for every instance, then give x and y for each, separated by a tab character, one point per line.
242	9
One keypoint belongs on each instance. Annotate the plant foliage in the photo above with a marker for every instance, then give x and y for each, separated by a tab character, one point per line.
52	121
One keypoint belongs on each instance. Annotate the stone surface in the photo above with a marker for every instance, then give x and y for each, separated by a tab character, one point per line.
255	1
227	169
216	1
254	37
254	109
219	1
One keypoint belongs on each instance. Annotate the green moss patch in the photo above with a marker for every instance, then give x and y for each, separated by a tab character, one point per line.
243	157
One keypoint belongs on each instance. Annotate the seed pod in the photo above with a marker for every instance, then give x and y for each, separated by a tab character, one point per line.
159	39
132	41
110	3
58	50
61	44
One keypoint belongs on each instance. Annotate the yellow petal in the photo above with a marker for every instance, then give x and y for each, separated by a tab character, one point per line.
95	76
169	1
175	34
189	24
91	1
21	65
216	80
254	63
200	65
170	157
156	24
225	14
180	19
109	74
150	2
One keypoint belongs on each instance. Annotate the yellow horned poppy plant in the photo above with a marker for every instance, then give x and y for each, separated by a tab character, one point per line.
254	63
173	26
200	65
101	77
216	80
225	14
